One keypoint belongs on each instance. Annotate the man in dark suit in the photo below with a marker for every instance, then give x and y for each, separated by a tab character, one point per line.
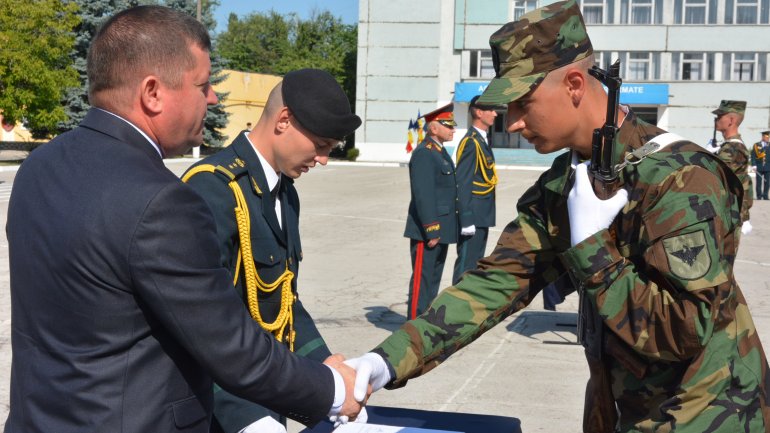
432	222
121	311
476	181
249	187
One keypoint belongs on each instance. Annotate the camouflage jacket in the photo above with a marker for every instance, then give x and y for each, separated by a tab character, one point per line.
735	154
682	348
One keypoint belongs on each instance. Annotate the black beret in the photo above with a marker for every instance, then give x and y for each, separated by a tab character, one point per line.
317	101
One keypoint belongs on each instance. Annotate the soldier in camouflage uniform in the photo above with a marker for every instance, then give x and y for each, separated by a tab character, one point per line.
669	339
734	153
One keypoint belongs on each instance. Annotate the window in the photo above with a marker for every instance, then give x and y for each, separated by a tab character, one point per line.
744	66
481	65
742	12
520	7
593	11
693	66
641	11
637	11
603	59
639	65
694	12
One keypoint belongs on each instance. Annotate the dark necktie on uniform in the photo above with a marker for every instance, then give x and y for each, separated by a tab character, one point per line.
277	202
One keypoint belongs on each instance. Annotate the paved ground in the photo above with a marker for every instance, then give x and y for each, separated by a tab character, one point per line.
354	281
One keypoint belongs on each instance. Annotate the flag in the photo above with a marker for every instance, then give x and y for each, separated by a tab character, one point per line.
420	130
410	137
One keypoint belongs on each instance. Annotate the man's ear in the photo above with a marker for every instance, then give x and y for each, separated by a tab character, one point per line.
575	83
282	120
151	94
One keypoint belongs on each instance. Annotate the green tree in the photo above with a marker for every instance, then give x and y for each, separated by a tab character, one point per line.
35	67
270	43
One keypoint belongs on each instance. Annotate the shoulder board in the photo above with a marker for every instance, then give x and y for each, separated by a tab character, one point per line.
232	171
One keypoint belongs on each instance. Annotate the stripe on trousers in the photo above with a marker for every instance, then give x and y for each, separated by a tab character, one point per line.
417	278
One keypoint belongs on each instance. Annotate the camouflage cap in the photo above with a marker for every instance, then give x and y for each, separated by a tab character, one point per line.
524	51
727	106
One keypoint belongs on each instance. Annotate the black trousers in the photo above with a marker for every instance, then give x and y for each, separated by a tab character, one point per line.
763	182
427	266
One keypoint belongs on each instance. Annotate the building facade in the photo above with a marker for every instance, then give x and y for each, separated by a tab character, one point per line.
679	58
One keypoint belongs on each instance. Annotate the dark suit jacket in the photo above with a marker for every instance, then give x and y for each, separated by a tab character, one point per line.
433	207
121	311
479	208
273	248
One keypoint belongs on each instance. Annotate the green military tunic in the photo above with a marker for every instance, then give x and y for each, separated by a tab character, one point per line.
274	249
679	346
736	155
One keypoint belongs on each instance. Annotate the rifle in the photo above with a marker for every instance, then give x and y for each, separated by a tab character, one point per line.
599	414
602	168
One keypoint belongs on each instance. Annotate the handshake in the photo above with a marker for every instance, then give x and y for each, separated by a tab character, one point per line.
361	377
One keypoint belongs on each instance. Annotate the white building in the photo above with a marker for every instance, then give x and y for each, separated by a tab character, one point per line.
679	58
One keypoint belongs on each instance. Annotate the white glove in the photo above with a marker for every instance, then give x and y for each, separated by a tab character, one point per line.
589	214
370	369
339	420
468	231
264	425
745	229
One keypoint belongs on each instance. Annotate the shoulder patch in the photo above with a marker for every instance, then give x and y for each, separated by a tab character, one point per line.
687	255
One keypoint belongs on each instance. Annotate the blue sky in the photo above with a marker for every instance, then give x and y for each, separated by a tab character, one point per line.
347	10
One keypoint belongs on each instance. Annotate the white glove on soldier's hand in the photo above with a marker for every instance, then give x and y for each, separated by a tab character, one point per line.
264	425
746	228
468	231
361	418
370	369
589	214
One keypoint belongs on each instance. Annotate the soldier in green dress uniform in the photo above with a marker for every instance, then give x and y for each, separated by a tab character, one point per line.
760	163
669	340
249	187
476	182
432	221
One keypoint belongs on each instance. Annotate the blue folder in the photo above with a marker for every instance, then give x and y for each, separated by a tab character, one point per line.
451	421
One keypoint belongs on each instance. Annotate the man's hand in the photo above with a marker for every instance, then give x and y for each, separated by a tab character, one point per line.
371	374
433	242
349	407
468	231
589	214
264	425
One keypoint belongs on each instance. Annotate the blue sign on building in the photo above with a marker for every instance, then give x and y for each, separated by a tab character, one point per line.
645	93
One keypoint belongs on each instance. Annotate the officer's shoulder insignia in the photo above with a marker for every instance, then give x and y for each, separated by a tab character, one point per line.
236	164
687	255
429	146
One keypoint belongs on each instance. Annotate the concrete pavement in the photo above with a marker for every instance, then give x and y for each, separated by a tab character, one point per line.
354	281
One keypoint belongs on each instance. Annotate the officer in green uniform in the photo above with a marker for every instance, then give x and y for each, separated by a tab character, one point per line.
669	340
249	187
733	151
761	164
476	181
432	221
